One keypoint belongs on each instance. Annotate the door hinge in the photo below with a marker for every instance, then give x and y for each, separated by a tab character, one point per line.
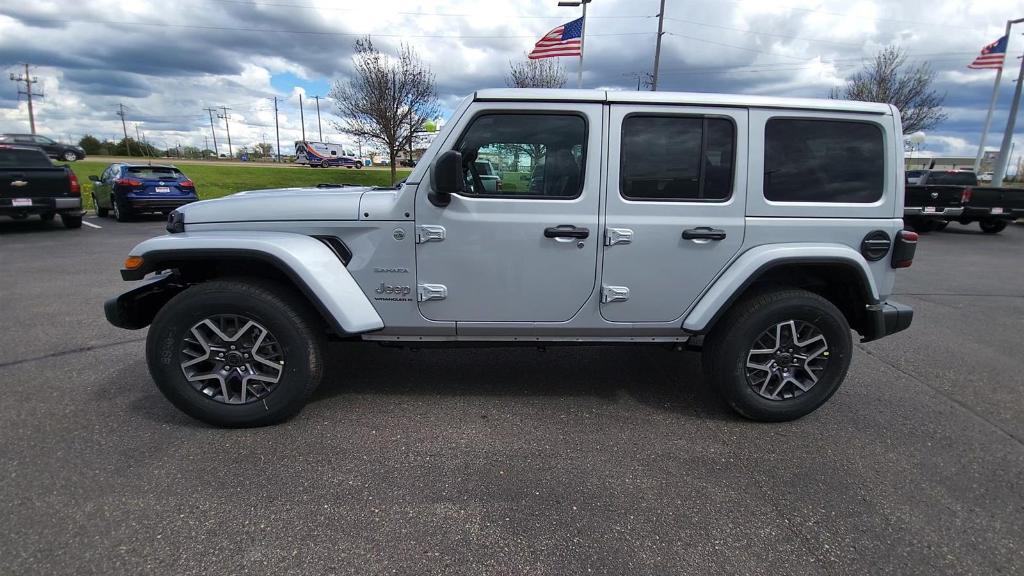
614	294
613	236
425	292
430	233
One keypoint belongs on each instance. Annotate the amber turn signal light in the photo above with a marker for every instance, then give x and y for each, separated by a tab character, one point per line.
133	263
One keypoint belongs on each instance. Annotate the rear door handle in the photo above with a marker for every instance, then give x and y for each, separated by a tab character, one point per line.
566	231
703	233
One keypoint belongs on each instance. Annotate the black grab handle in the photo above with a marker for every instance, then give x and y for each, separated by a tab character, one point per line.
703	233
566	231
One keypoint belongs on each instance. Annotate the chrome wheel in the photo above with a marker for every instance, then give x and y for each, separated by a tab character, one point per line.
787	360
232	359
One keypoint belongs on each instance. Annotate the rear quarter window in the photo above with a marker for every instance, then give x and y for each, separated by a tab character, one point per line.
823	161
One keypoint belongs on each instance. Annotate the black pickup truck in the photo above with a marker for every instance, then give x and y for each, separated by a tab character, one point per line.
944	196
31	184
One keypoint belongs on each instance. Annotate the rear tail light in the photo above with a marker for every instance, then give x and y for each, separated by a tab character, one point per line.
965	196
186	184
76	188
128	182
904	249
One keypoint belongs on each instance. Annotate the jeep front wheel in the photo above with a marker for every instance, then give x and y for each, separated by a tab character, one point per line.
236	353
779	355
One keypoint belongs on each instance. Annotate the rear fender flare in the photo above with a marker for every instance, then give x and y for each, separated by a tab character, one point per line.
310	264
753	263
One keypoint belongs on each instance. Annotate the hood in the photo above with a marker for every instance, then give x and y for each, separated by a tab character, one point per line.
278	204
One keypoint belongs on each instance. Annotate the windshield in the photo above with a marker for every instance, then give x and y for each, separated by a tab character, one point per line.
952	178
17	158
154	172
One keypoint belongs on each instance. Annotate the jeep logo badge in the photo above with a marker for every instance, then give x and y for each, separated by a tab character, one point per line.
389	289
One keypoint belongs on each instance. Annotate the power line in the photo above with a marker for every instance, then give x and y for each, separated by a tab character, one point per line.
445	14
303	32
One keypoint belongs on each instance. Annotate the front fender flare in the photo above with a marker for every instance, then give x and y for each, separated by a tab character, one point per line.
753	263
308	262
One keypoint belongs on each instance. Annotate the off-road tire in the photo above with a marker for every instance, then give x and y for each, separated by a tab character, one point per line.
296	327
992	226
71	220
727	346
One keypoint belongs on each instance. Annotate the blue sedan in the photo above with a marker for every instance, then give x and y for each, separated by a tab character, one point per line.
129	189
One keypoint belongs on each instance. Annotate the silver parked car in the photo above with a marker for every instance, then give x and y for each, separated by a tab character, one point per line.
760	230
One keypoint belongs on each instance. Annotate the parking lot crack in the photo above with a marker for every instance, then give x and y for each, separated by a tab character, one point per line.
71	351
949	398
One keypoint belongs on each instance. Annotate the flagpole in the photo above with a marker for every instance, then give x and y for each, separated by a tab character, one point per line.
992	102
1004	148
583	38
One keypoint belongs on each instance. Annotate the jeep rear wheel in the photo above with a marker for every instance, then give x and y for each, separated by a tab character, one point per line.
779	355
236	352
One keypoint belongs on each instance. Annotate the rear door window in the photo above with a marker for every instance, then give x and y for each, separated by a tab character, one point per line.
823	161
677	158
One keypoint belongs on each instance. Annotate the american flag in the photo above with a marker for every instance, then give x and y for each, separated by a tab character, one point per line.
992	56
566	40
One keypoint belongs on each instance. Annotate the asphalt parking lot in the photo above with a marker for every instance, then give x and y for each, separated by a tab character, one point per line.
604	460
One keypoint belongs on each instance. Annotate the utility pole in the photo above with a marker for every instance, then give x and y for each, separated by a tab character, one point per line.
226	117
216	151
124	127
1011	123
302	119
29	81
657	48
277	130
318	126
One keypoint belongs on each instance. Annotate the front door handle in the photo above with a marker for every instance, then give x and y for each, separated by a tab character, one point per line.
566	231
703	233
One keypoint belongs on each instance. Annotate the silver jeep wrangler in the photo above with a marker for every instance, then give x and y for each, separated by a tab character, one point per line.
760	230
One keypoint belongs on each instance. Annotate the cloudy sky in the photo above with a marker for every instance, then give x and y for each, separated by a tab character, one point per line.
167	61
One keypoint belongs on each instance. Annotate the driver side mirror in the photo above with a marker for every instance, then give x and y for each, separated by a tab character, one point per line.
94	178
447	178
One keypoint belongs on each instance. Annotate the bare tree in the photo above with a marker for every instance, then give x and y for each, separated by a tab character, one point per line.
387	99
543	73
888	78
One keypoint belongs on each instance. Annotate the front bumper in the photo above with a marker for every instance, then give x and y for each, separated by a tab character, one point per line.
71	205
945	212
136	308
887	318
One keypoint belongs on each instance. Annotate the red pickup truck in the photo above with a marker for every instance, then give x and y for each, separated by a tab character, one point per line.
944	196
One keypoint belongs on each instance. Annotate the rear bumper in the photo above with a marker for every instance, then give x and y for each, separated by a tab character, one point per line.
986	213
887	318
937	213
143	204
42	206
